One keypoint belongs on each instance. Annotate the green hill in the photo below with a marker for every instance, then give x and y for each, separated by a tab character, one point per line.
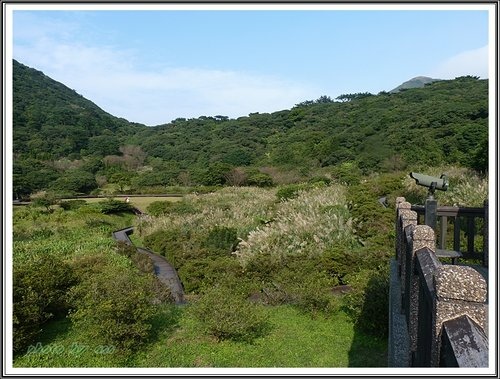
60	138
53	121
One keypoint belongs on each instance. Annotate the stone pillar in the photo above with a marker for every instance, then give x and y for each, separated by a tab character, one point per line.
422	236
406	217
485	236
403	209
459	290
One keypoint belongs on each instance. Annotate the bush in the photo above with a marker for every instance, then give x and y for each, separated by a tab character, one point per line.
114	307
44	199
39	293
226	314
222	239
347	173
259	179
320	179
141	260
367	305
158	208
111	206
304	284
202	272
290	191
174	244
71	205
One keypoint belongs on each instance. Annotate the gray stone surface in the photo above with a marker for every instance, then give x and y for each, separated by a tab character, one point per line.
163	269
398	350
461	283
468	345
166	274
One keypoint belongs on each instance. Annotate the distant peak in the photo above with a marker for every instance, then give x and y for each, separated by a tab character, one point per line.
416	82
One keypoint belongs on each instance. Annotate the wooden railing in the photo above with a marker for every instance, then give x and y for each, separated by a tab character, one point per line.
444	306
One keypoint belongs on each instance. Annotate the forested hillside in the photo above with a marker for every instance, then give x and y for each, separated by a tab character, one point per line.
65	143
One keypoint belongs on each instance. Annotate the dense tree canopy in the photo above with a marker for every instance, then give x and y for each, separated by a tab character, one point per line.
56	130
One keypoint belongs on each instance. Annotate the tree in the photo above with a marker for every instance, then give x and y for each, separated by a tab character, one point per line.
215	174
324	100
44	199
122	179
75	181
235	177
133	156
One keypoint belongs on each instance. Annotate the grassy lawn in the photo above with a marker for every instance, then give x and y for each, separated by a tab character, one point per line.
140	202
294	340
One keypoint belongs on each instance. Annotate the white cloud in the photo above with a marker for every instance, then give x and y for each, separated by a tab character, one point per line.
113	79
470	62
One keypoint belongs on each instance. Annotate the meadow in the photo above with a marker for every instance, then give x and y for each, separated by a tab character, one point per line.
291	276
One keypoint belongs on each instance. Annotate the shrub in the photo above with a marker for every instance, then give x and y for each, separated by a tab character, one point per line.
290	191
111	206
259	179
313	294
141	260
226	314
175	244
199	273
303	283
347	173
115	307
161	208
183	208
39	293
367	305
44	199
158	208
72	204
222	239
320	180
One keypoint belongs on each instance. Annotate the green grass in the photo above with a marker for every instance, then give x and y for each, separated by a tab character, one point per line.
140	202
294	340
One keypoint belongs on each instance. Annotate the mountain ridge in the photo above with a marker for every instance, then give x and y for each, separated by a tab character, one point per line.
60	136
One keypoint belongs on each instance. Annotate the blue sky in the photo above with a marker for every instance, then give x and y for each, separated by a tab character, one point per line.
152	66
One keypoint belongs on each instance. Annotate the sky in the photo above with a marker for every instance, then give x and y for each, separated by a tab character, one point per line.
153	66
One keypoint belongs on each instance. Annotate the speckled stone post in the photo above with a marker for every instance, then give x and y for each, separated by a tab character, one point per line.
397	226
459	290
402	208
485	231
406	217
422	236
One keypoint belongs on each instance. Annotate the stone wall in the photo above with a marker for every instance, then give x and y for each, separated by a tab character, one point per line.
425	295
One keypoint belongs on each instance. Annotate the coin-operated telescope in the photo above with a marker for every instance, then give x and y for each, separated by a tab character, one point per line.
433	183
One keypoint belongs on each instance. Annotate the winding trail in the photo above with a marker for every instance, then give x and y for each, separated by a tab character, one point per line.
163	269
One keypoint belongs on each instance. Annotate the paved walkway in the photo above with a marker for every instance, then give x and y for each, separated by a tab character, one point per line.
166	274
163	269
